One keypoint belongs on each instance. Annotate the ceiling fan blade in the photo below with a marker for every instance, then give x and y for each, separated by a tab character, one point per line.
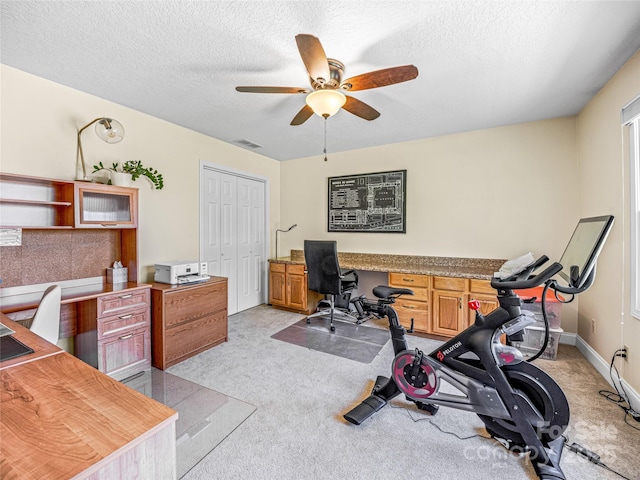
314	58
273	89
380	78
302	116
360	109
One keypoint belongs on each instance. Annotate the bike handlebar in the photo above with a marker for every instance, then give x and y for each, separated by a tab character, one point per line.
524	279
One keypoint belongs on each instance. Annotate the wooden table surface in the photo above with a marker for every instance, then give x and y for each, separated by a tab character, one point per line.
41	348
60	417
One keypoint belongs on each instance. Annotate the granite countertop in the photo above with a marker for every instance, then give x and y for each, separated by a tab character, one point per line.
479	268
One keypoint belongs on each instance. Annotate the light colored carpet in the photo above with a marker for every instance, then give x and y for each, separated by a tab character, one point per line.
298	432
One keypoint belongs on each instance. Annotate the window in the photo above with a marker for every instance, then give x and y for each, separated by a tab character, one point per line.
631	119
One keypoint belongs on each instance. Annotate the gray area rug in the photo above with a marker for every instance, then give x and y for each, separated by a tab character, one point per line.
355	342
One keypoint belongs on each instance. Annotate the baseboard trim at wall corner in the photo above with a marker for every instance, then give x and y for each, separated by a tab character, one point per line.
603	368
568	338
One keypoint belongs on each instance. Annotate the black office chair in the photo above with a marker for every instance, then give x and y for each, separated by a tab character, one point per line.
326	277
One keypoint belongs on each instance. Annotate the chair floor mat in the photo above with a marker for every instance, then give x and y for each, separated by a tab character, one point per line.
355	342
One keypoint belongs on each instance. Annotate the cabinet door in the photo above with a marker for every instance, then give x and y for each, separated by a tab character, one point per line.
447	312
277	285
105	206
297	291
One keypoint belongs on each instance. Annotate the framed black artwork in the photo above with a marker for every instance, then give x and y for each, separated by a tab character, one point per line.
370	202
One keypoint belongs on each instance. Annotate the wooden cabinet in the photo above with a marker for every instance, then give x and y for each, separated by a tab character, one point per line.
187	320
105	206
278	284
439	305
288	288
40	203
115	332
31	202
412	307
449	307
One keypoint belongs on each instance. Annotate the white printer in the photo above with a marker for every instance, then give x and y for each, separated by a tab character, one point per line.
180	272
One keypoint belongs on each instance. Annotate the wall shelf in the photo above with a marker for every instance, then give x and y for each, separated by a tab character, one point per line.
34	203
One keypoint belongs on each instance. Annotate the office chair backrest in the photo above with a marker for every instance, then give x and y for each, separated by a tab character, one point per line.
46	321
321	258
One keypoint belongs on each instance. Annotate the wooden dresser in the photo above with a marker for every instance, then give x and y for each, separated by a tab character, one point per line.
187	320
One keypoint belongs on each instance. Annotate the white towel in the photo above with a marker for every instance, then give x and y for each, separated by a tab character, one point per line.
515	265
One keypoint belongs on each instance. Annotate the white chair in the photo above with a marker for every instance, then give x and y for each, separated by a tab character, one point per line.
46	321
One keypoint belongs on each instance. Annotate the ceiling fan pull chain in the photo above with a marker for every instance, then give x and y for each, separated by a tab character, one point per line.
325	139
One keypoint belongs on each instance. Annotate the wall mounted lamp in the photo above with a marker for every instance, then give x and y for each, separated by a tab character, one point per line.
287	230
326	102
107	129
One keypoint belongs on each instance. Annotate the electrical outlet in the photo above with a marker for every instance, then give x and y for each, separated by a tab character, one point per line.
626	351
593	325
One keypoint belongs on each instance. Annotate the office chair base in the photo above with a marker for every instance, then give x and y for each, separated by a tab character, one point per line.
337	314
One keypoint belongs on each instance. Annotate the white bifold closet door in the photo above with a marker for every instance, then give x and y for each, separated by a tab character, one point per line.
233	235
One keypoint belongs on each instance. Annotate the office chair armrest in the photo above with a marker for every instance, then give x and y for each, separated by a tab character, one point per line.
345	273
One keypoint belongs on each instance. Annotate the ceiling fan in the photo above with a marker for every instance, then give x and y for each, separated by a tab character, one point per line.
326	95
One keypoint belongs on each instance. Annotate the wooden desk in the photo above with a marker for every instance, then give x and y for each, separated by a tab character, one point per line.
60	418
110	323
442	287
41	348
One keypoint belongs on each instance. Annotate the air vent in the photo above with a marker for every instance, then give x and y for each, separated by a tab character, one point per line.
248	143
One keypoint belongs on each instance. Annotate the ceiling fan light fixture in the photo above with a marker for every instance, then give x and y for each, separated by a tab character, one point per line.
326	103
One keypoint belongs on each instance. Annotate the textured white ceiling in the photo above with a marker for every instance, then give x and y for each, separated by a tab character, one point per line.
481	63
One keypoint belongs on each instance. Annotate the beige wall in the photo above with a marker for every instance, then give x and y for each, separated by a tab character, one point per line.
38	137
493	193
604	186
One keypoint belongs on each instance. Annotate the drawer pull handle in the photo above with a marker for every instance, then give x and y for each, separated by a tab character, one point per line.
123	297
124	337
124	317
408	280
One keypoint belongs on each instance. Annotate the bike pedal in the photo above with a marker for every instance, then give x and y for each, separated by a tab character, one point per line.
429	408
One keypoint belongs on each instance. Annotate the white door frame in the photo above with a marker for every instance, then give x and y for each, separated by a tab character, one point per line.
267	237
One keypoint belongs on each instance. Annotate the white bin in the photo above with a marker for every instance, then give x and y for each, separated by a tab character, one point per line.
534	338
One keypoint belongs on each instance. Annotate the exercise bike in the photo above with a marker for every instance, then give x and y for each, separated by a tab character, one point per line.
520	405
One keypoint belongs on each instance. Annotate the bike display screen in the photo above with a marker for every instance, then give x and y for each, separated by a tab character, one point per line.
579	258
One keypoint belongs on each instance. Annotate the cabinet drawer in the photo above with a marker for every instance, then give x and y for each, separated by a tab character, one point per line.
193	337
481	286
408	280
277	267
125	300
420	294
188	304
124	355
450	283
418	311
118	324
296	269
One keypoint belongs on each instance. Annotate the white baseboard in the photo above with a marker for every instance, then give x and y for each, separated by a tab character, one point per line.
602	366
568	338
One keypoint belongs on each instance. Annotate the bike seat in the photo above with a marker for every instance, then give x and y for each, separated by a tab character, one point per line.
382	291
